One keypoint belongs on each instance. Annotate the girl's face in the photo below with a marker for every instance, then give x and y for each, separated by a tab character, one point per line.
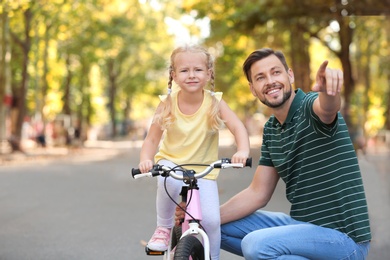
190	71
271	83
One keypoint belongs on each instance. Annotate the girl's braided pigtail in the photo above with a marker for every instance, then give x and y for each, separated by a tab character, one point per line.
165	118
215	121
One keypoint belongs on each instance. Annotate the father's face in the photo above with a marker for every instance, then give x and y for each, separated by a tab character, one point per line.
271	83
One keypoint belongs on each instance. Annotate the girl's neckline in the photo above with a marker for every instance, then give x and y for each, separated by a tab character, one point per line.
190	108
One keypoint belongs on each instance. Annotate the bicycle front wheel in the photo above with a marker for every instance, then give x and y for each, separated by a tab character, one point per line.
175	236
189	246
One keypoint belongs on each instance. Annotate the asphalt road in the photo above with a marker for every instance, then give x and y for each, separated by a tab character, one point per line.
85	205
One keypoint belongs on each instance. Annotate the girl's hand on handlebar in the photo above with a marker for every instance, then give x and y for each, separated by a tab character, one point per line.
145	166
179	213
240	157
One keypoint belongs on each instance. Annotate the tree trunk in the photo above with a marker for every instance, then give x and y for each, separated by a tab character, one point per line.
84	109
112	75
45	84
5	79
66	97
300	58
20	97
387	111
345	35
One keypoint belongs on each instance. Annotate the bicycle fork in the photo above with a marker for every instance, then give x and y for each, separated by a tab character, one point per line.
193	216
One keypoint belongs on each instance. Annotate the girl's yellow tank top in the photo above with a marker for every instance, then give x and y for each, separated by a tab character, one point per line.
189	139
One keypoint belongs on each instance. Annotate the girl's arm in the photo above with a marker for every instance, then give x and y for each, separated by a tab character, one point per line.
237	128
149	147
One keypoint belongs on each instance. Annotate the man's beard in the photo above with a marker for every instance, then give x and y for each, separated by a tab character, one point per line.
286	96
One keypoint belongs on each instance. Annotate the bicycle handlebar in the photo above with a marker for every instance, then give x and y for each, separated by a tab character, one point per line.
165	170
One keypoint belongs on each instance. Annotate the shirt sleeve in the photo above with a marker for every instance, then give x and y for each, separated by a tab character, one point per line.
265	158
162	97
319	127
218	95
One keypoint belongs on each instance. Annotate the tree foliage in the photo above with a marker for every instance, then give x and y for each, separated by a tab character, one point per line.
100	61
292	26
84	59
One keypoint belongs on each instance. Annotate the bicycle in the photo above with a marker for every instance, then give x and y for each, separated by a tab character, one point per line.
185	241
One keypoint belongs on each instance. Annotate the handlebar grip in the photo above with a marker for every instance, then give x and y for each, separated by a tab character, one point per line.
135	171
248	162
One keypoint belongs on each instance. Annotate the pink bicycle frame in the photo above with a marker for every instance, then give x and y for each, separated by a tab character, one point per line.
190	227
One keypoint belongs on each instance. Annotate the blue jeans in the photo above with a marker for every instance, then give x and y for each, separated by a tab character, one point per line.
271	235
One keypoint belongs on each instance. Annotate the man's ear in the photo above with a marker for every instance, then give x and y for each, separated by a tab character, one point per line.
291	76
252	89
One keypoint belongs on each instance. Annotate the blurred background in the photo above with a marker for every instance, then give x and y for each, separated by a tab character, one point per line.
77	71
87	73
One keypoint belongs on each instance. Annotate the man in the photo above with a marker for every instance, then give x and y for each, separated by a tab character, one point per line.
306	144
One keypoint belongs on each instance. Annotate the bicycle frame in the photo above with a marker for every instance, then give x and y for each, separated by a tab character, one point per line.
193	213
192	227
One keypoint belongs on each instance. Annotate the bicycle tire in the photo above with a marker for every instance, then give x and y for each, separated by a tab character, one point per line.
189	246
175	236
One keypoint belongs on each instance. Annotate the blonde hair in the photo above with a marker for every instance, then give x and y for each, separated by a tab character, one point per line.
165	117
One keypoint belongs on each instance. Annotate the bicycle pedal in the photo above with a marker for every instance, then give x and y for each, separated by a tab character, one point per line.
152	252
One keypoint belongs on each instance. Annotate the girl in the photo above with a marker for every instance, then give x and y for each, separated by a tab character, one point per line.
190	118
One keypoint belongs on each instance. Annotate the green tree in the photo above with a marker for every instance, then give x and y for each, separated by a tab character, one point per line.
369	109
130	43
88	66
302	20
21	36
5	72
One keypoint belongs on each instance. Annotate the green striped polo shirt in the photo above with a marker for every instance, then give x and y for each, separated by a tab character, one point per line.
319	166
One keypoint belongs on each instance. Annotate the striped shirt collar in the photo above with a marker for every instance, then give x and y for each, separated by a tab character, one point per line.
299	96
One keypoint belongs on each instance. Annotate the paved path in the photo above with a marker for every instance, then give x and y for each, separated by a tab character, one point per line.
83	204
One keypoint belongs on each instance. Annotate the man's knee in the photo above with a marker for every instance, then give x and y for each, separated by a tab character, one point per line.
254	246
247	247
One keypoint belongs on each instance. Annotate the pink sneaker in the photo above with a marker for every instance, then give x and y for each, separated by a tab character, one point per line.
160	239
